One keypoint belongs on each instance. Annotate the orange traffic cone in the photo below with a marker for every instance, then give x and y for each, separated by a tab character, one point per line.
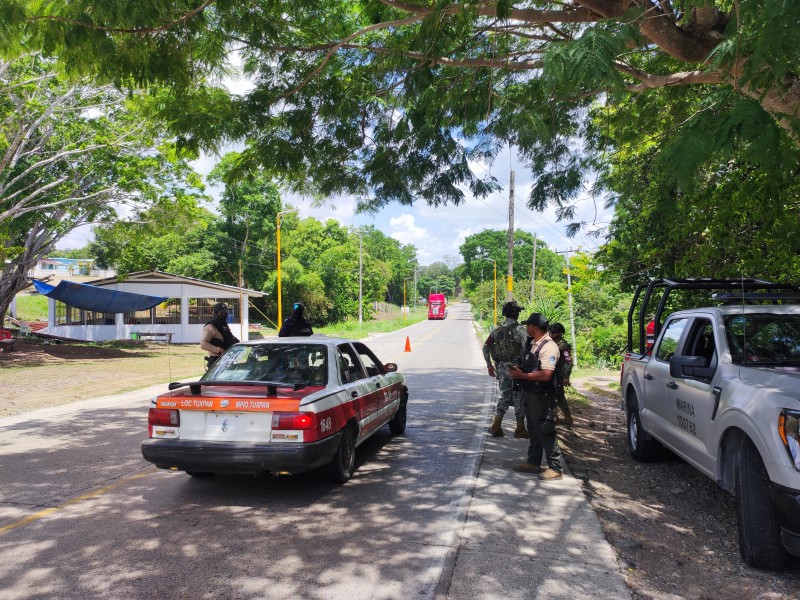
408	345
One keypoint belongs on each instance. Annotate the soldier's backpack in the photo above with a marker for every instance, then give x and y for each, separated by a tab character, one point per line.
505	348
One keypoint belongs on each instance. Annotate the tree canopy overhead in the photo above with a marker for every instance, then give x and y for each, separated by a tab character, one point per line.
391	99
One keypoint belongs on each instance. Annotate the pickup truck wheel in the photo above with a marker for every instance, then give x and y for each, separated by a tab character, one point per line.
340	469
398	423
642	447
759	534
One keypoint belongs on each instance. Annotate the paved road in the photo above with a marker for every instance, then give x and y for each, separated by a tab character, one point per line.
83	516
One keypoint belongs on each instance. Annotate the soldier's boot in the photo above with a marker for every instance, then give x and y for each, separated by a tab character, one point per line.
495	429
520	431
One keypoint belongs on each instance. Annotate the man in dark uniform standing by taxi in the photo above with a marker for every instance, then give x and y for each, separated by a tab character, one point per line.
296	325
536	377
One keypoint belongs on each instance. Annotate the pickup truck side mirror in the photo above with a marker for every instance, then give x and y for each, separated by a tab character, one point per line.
690	366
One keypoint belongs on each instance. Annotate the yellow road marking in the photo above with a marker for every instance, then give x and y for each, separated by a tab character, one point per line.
48	511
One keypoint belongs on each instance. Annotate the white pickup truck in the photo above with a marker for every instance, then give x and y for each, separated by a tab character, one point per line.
720	387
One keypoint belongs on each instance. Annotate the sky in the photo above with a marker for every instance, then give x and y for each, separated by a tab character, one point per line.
434	232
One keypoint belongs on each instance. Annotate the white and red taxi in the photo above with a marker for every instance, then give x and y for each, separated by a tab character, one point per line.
281	406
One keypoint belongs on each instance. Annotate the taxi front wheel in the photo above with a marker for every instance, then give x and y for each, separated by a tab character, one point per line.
340	469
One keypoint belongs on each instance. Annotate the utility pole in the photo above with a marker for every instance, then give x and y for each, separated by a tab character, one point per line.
510	279
415	287
571	315
360	277
533	268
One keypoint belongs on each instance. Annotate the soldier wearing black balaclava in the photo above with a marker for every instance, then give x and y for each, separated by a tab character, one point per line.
296	325
217	336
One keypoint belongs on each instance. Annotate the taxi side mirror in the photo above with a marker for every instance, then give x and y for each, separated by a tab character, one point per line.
390	367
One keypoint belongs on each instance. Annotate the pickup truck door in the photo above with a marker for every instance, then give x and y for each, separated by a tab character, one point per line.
692	400
657	381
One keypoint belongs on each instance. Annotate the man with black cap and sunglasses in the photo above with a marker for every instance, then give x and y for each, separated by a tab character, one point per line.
536	377
296	325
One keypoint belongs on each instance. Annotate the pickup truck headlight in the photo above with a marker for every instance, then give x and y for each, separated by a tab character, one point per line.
789	428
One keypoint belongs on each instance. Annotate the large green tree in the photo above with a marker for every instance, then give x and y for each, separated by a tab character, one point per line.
480	249
738	215
249	206
175	235
71	153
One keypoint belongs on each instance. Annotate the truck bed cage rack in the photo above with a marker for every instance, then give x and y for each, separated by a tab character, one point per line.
773	297
742	286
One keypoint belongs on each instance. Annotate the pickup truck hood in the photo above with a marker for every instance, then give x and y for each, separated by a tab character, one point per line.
781	380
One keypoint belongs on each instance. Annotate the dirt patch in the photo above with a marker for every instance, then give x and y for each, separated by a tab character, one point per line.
39	373
674	531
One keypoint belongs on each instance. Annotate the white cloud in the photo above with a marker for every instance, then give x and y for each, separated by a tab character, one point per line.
405	230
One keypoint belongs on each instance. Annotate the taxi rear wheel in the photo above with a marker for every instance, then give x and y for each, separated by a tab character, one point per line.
341	468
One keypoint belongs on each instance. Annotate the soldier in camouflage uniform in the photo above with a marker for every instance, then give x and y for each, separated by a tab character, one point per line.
504	345
563	370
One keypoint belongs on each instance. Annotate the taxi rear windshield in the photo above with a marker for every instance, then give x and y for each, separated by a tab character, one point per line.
278	363
764	339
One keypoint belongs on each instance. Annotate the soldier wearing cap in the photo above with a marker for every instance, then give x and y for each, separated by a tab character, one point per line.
504	345
563	371
296	325
217	336
536	377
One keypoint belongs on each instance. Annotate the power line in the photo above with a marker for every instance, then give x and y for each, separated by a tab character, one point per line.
551	228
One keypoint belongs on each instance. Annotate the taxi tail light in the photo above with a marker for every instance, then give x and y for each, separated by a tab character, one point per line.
164	416
293	420
789	430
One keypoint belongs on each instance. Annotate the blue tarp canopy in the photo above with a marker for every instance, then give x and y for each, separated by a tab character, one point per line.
92	297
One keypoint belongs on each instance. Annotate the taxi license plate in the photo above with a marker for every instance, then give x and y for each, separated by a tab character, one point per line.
238	427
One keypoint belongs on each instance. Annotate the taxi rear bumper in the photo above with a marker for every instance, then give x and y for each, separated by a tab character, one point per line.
239	457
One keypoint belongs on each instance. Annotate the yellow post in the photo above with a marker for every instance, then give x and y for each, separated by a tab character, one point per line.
278	235
280	307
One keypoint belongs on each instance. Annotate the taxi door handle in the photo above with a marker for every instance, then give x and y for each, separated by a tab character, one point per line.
377	385
354	394
672	385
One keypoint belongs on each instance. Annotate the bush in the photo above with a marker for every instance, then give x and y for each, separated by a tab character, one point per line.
602	347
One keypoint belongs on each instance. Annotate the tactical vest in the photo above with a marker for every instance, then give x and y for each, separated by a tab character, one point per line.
530	364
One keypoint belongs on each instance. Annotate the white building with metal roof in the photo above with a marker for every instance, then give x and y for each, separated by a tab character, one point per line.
179	320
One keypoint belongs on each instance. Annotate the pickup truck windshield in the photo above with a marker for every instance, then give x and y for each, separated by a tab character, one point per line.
764	339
